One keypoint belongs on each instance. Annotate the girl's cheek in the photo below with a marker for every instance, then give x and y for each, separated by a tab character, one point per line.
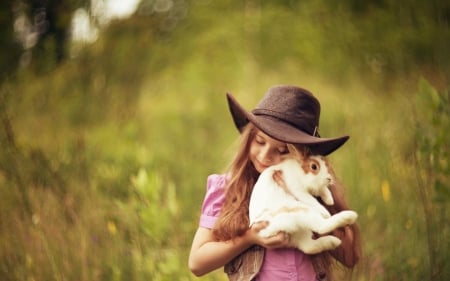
277	160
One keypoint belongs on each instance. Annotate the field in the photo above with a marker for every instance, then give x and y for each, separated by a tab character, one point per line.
104	158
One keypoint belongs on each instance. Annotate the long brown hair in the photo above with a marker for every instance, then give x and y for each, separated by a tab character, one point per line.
347	255
233	220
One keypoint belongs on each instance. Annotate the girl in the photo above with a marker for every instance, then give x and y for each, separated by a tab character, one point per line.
286	119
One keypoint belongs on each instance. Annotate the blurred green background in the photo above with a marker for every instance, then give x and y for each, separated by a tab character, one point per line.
107	140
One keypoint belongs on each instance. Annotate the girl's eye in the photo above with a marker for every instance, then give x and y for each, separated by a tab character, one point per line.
259	141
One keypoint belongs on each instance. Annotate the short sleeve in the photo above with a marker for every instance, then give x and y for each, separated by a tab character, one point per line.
214	198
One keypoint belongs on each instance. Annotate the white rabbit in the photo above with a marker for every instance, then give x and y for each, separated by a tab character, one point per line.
284	195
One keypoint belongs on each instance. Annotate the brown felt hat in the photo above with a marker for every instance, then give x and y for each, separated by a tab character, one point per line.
289	114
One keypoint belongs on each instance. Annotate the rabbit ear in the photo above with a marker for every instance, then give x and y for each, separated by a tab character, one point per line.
277	176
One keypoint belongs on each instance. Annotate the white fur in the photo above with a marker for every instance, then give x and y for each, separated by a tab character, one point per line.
295	210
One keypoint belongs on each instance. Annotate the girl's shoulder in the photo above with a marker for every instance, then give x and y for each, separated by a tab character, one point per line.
214	199
217	181
216	186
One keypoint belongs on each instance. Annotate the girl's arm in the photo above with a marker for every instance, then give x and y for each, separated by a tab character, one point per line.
207	254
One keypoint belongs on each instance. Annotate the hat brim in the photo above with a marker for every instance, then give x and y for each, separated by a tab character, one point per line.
282	131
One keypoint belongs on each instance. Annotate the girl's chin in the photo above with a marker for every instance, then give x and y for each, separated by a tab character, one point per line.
260	168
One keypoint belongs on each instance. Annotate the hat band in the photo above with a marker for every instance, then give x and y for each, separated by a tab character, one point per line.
316	132
273	116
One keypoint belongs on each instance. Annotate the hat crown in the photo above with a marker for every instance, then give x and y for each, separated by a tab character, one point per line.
293	105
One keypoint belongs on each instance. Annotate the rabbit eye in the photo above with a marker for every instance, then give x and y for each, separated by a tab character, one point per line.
314	166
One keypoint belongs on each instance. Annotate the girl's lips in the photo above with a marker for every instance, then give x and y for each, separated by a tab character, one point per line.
261	166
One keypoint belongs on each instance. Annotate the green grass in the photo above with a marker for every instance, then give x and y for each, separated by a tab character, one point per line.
104	160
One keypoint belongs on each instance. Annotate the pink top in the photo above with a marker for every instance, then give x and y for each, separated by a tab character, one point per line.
280	264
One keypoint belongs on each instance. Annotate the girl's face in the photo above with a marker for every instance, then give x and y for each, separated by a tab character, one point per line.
266	151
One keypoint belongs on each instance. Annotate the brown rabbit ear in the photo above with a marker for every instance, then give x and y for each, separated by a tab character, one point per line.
277	176
298	152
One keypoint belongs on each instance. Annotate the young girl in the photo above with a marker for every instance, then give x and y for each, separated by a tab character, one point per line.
286	119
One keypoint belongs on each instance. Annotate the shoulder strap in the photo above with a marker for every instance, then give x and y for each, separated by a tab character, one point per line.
245	266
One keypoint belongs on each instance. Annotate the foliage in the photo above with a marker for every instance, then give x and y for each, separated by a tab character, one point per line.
8	44
433	172
105	155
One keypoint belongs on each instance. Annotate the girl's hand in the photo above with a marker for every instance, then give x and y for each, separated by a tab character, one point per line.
280	240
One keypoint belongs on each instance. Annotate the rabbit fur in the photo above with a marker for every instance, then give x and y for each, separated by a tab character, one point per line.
285	196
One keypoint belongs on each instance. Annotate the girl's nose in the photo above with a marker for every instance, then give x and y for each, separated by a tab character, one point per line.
265	156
